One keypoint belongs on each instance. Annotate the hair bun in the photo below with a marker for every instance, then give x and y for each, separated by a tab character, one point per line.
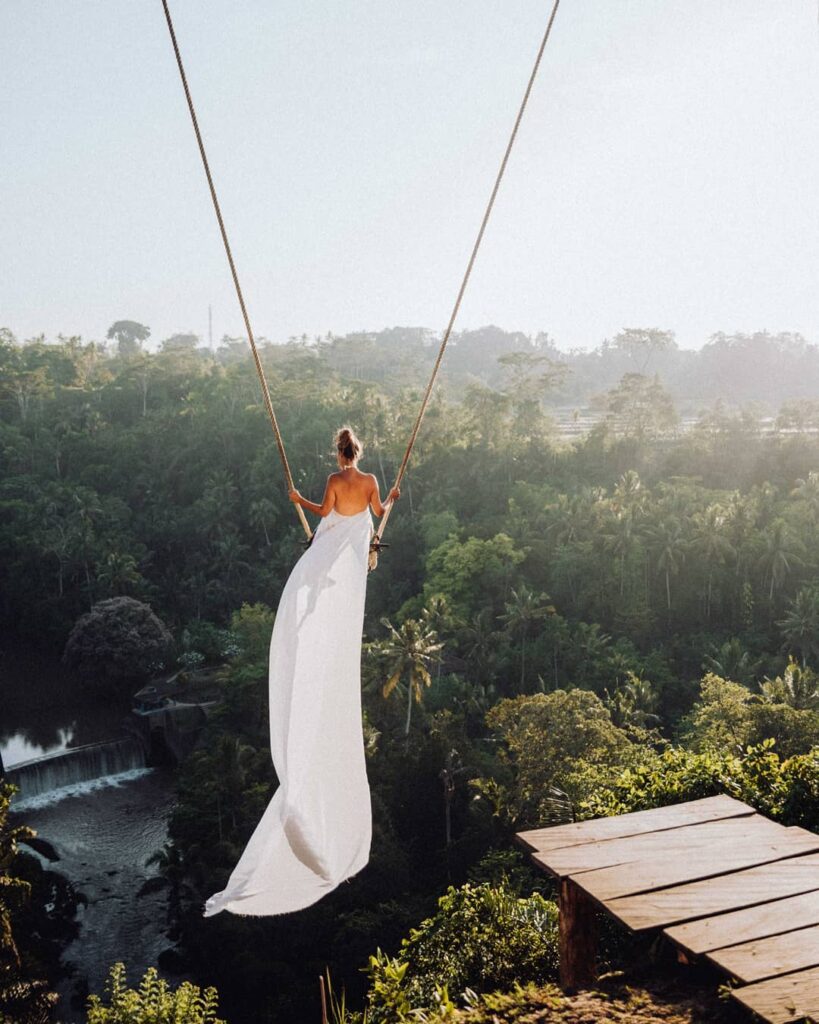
347	444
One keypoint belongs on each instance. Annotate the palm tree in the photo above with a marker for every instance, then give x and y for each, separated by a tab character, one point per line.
453	767
83	517
712	543
262	512
619	539
479	642
118	573
739	519
782	552
410	649
670	547
569	518
171	866
228	558
522	612
590	648
230	764
731	661
800	625
808	490
632	704
797	687
626	505
437	615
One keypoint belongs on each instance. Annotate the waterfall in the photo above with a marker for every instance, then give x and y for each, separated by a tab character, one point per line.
54	776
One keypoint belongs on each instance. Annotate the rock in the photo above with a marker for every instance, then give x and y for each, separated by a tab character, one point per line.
171	960
153	885
43	847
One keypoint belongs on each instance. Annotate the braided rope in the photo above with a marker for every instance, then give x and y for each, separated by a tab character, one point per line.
468	273
262	380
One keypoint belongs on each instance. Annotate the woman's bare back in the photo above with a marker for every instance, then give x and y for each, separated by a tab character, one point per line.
353	490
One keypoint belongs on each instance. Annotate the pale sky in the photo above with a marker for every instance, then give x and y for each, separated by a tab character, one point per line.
666	174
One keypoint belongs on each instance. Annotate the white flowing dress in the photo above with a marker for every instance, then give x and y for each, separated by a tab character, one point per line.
317	828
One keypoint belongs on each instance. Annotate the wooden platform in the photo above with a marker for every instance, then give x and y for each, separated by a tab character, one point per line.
719	881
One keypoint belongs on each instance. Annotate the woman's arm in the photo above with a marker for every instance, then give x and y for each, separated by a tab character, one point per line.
327	501
375	498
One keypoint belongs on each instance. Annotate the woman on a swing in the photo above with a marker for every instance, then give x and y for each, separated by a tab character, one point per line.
317	828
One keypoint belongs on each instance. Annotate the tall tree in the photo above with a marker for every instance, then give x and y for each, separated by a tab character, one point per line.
669	546
642	343
782	553
524	610
129	336
410	651
710	541
800	625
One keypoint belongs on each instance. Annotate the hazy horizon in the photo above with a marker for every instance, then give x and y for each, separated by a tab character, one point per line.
664	175
153	343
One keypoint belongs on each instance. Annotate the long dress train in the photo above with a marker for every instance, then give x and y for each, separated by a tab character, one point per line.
316	830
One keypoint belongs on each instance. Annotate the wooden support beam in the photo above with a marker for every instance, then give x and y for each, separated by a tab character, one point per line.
577	937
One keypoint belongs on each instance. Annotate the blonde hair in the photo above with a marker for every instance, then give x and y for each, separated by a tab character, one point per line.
347	444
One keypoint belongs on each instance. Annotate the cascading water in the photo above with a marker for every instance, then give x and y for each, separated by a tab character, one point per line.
70	772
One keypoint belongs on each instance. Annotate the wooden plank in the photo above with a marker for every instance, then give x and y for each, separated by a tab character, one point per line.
693	864
727	892
791	997
677	844
780	915
710	808
771	956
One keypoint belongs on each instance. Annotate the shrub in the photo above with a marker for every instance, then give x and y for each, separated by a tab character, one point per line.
548	739
787	790
482	938
23	999
154	1002
251	627
728	716
119	639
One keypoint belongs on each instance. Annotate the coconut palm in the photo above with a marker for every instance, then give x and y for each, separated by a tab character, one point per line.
731	661
261	513
782	553
570	518
669	547
410	650
230	763
739	519
437	615
618	537
479	642
118	573
808	490
522	612
797	687
800	626
711	541
632	704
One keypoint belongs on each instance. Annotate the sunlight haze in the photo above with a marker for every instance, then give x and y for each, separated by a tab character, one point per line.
665	174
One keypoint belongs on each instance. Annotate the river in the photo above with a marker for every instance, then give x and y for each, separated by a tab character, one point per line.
102	828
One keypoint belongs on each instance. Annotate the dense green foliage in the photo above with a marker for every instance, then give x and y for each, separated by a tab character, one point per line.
119	639
152	1002
483	937
25	998
563	625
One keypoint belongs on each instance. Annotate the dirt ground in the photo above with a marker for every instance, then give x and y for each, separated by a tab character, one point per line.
662	999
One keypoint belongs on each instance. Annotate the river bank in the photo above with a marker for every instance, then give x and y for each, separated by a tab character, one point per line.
104	839
104	818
